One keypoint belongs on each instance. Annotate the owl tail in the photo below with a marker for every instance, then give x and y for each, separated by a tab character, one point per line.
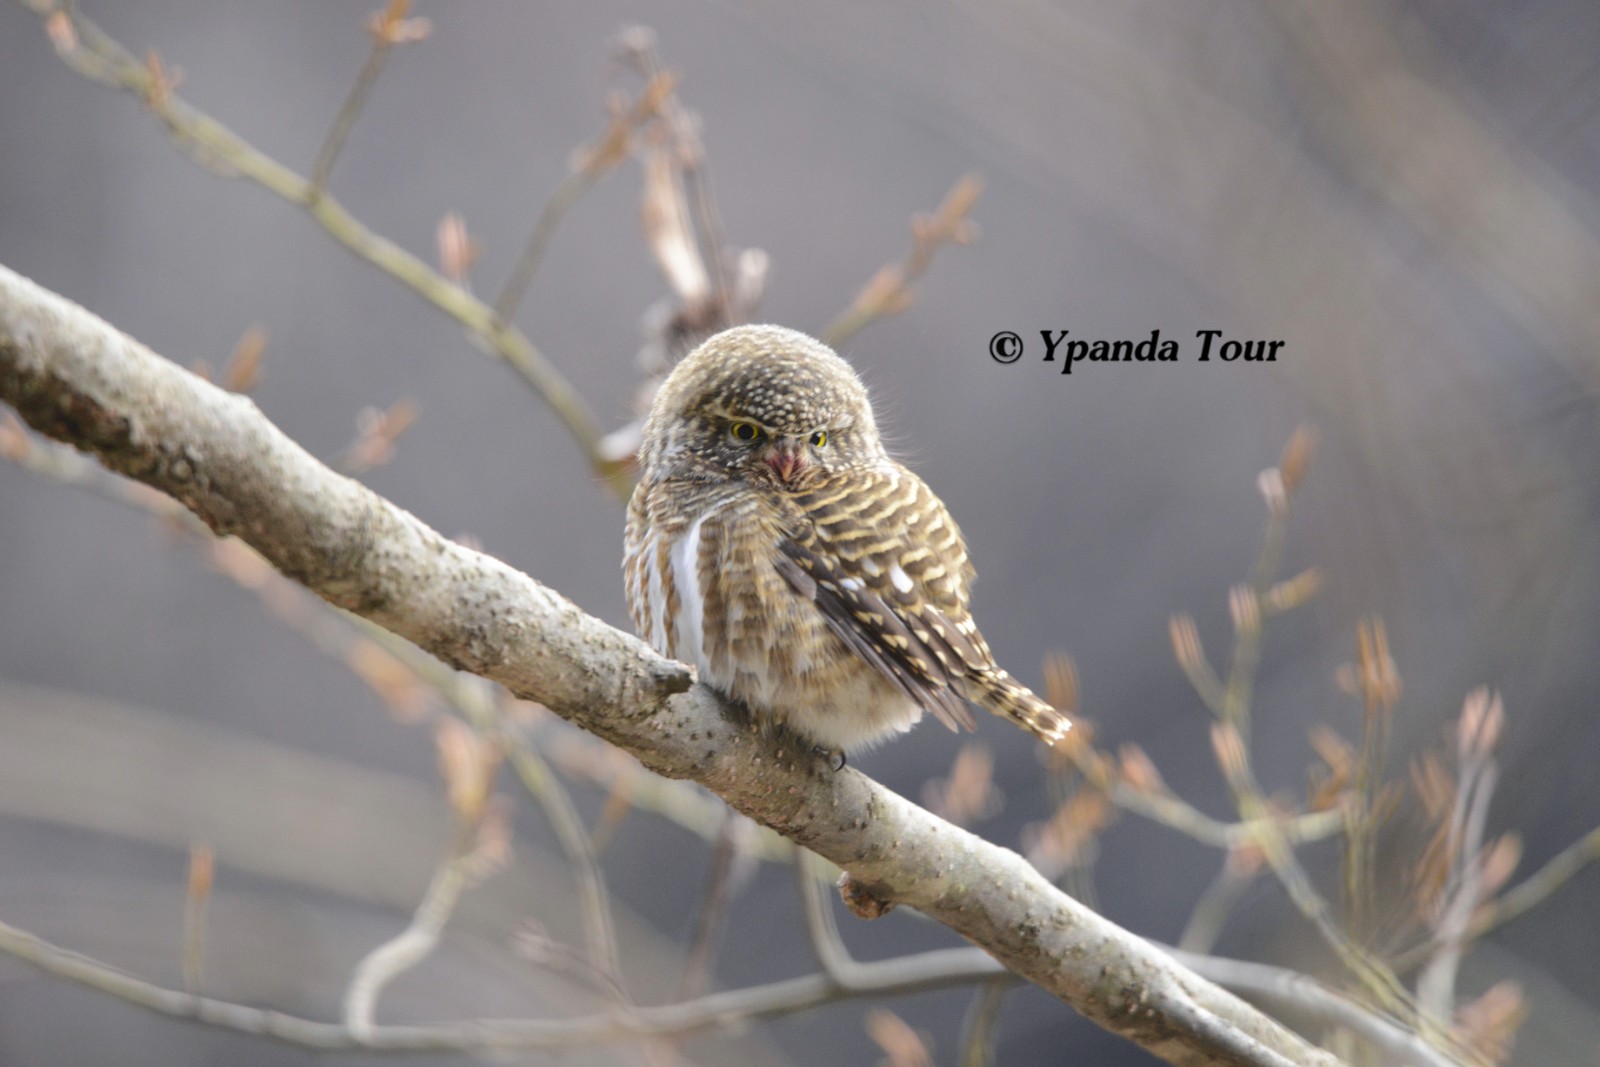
1008	698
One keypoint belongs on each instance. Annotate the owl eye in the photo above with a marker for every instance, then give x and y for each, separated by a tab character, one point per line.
745	431
820	439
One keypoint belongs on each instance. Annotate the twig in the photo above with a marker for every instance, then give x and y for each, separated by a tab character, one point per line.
1211	911
978	1028
409	948
639	43
1521	898
890	291
1478	774
821	927
1400	1046
102	59
1230	735
475	703
389	28
725	854
202	873
593	163
906	975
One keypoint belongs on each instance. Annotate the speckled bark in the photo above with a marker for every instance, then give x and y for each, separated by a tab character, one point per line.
74	378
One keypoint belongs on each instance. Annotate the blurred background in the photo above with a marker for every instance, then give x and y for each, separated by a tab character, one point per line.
1403	193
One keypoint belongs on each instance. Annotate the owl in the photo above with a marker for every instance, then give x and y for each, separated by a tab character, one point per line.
774	545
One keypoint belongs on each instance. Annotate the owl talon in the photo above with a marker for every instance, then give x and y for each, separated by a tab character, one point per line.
834	756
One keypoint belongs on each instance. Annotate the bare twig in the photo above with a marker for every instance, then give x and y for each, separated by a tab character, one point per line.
1521	898
821	928
891	290
907	975
721	885
1230	736
978	1028
196	901
476	703
591	163
1211	911
407	949
102	59
482	841
1478	731
389	27
638	44
1397	1044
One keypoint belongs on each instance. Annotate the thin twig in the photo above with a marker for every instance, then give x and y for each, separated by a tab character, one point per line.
102	59
890	291
1436	985
1398	1044
821	927
1521	898
699	962
640	43
1211	911
906	975
979	1026
476	704
1230	737
592	163
414	944
569	192
382	44
196	901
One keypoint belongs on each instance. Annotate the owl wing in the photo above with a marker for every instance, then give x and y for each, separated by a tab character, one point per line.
884	563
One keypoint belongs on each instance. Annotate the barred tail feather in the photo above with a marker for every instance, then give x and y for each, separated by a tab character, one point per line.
1008	698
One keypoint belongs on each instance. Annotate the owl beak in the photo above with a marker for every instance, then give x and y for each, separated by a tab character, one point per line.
786	462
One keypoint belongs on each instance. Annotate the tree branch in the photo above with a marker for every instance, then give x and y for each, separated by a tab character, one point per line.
75	378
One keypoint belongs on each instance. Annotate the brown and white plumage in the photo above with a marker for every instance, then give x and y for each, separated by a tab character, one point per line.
774	545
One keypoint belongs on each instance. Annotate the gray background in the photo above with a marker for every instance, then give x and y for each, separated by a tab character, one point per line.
1168	166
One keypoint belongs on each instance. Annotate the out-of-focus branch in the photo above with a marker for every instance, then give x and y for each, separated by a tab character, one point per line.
906	975
1521	898
73	377
592	163
388	27
978	1028
482	845
890	291
722	883
96	56
1238	872
638	45
1250	604
1397	1044
1482	719
410	947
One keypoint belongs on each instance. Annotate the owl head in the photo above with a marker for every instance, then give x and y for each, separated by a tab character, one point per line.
760	404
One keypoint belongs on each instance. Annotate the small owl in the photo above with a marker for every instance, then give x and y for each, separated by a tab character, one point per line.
775	545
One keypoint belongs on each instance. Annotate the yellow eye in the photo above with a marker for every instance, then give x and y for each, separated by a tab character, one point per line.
820	439
745	431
